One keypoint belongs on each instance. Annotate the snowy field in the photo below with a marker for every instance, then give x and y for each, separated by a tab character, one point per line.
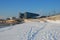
31	31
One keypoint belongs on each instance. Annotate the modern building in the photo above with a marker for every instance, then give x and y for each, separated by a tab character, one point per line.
28	15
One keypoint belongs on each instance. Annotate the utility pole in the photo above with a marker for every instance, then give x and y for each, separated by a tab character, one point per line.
49	14
54	12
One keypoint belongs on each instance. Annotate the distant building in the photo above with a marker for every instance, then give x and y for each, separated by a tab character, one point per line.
28	15
43	16
11	18
2	21
7	18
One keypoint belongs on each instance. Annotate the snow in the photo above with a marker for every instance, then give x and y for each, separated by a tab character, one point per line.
56	21
31	31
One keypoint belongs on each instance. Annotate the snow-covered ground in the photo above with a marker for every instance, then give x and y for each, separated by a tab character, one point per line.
31	31
52	21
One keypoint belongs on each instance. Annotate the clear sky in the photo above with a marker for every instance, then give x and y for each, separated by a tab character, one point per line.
13	7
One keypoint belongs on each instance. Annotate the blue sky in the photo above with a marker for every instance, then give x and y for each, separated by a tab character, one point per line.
13	7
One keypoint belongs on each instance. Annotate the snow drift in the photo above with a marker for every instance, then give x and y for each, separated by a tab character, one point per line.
31	31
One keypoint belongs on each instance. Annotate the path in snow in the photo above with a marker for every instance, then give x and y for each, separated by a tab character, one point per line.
31	31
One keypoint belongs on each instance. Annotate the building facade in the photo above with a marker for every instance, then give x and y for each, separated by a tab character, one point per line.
28	15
